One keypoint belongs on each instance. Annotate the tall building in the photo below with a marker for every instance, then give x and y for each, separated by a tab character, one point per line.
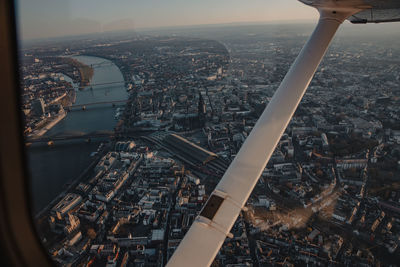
201	110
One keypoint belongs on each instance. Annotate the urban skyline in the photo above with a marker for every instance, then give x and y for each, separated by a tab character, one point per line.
329	194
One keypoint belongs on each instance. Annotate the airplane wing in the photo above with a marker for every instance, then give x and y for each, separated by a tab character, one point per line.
380	11
208	232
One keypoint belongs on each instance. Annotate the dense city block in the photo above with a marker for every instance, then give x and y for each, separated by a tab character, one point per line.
329	196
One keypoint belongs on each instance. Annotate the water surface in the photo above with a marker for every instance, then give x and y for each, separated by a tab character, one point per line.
51	168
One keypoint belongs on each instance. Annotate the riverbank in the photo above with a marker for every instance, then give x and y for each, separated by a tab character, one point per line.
73	184
123	68
52	167
66	100
48	124
85	72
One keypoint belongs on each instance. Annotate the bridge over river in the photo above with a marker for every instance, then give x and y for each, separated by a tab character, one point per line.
70	136
137	132
73	107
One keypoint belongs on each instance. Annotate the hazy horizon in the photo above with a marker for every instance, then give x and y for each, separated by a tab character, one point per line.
42	19
160	29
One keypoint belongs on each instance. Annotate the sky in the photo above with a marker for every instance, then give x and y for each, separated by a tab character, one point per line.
56	18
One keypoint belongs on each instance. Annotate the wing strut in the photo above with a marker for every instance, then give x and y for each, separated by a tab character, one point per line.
208	232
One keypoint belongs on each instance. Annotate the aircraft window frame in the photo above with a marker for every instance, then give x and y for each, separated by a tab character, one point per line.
20	244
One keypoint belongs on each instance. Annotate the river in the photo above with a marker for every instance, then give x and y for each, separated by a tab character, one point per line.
51	168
